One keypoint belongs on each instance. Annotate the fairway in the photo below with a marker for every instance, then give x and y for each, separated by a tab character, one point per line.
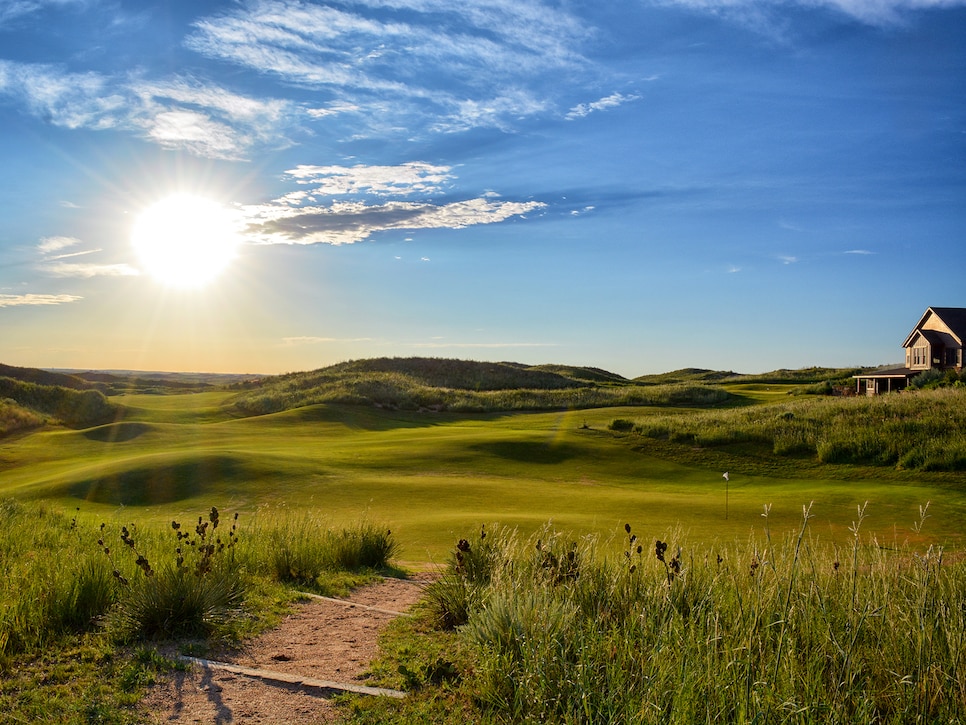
435	477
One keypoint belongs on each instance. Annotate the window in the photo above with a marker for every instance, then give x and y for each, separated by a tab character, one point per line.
920	356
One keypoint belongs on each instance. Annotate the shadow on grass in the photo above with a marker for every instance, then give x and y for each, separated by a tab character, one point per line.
149	485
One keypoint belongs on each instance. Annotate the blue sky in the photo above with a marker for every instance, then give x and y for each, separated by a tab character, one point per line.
634	185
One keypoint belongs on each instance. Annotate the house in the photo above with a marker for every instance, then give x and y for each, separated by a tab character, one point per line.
936	342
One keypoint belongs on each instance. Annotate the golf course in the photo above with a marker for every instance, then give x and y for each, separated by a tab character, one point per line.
431	475
691	547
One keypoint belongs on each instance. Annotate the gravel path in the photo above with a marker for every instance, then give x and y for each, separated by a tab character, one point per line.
322	639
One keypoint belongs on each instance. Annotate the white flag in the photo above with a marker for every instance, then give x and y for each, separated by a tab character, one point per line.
725	476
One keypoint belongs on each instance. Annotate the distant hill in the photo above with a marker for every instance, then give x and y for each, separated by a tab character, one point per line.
802	376
45	377
465	374
461	385
689	375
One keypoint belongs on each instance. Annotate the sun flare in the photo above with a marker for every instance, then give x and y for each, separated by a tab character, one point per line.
185	241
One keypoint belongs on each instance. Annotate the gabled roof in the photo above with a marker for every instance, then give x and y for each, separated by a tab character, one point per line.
953	317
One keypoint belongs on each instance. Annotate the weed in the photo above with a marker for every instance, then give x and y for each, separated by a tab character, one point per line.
198	594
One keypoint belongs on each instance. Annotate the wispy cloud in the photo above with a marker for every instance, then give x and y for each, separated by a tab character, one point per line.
313	217
49	245
612	101
10	9
858	251
312	340
35	299
414	177
53	265
178	113
787	259
482	345
770	15
86	271
416	64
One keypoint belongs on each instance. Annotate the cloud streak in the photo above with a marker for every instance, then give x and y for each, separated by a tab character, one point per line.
765	15
612	101
53	265
29	300
86	271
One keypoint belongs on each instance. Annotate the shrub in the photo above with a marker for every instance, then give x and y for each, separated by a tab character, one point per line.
621	425
198	594
927	379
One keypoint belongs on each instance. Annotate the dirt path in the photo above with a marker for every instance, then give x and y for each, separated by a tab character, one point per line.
321	640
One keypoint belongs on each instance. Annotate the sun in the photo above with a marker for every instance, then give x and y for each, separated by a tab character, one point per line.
185	240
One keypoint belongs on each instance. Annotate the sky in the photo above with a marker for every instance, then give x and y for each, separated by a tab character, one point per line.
271	186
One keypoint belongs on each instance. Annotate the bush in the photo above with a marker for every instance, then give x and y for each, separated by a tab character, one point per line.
927	379
198	594
621	425
178	602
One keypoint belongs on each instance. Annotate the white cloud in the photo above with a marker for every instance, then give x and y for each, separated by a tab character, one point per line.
858	251
49	245
53	265
482	345
402	180
312	340
10	9
612	101
764	15
787	259
35	299
425	65
71	255
178	113
300	217
349	222
86	271
334	109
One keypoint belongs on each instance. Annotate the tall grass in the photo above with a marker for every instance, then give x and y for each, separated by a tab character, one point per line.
14	417
52	583
923	430
757	631
72	407
299	549
64	576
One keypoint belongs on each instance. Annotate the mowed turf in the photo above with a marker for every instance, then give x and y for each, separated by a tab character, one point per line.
433	478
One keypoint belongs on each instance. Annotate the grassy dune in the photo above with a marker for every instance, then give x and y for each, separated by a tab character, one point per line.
434	474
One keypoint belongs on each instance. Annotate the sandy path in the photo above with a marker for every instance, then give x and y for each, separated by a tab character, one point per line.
321	639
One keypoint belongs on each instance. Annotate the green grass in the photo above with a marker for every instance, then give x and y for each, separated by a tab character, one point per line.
82	605
659	630
434	476
430	475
